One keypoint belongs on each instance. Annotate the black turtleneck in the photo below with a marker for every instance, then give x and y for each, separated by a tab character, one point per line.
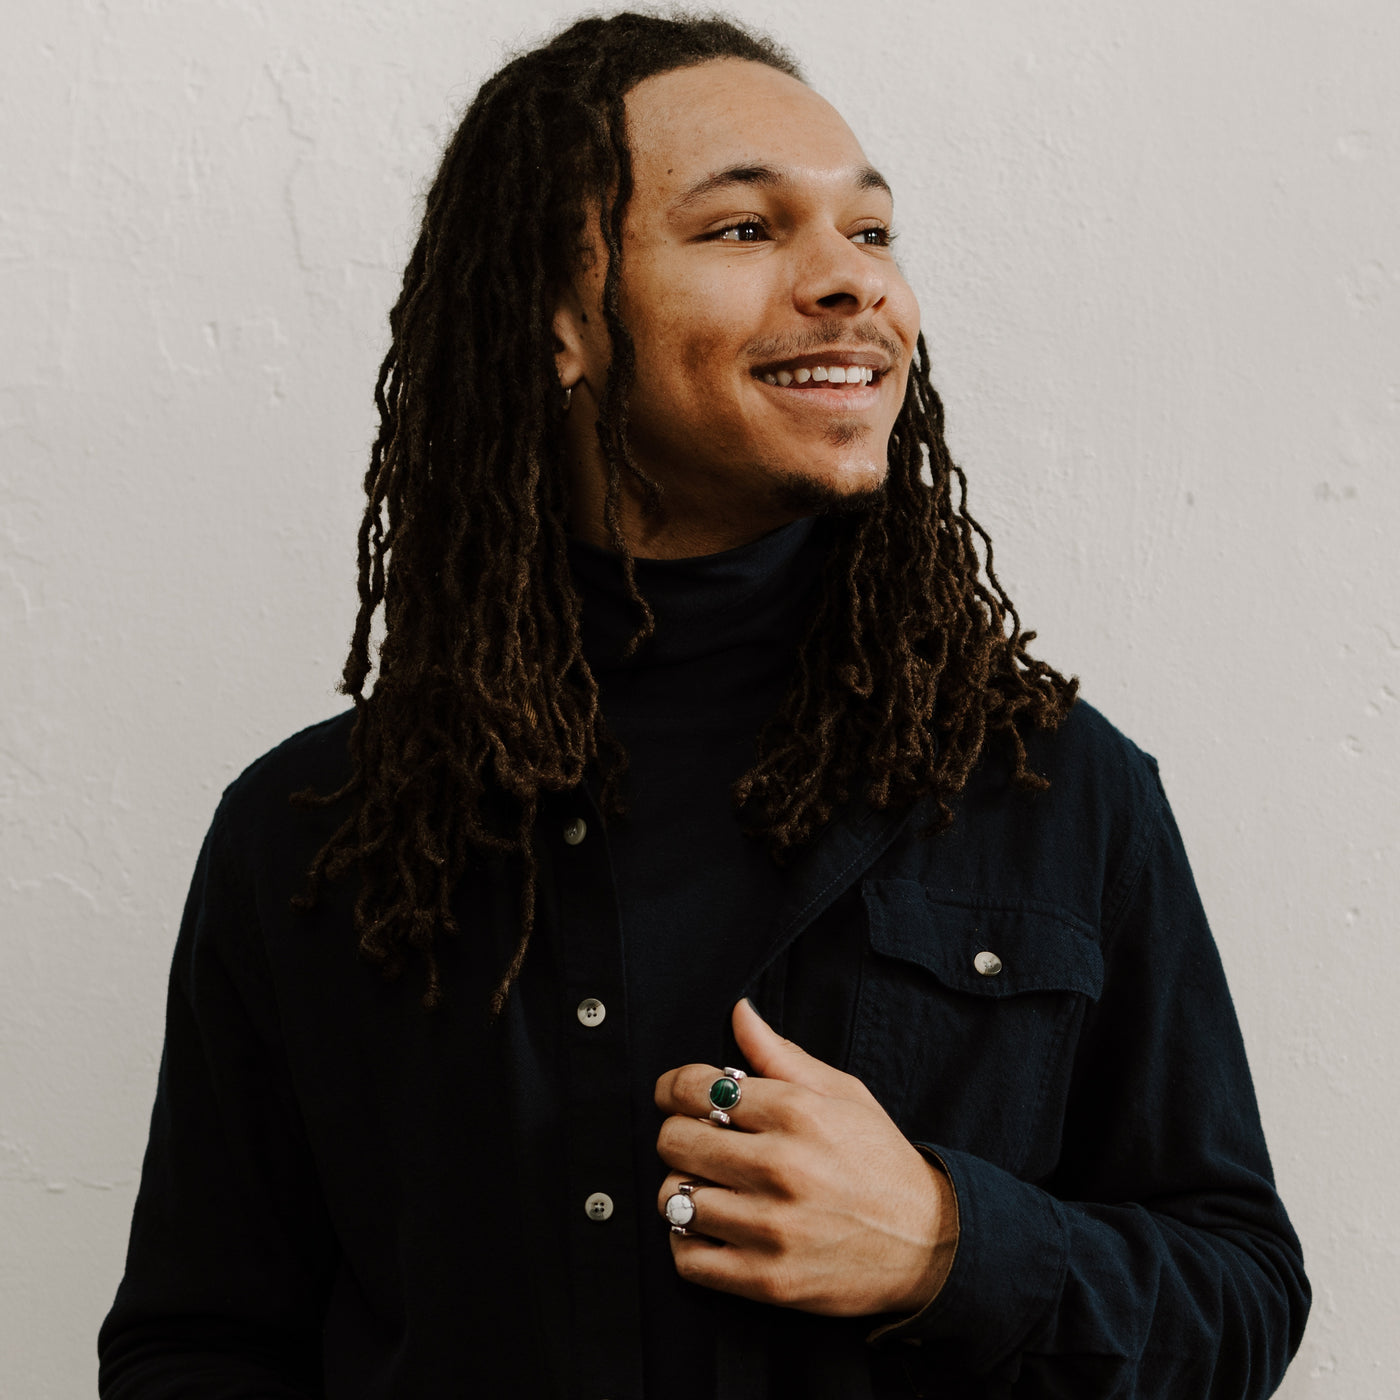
696	894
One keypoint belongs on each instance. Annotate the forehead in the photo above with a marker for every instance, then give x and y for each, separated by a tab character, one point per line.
691	122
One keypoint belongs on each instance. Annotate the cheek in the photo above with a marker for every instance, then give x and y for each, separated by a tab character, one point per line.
694	330
687	324
682	361
908	318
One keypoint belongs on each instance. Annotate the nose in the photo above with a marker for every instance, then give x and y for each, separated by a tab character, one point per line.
835	276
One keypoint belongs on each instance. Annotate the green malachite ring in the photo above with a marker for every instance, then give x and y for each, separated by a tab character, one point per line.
725	1093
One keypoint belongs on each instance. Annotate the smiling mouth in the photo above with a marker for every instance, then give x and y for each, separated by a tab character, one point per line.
833	371
857	375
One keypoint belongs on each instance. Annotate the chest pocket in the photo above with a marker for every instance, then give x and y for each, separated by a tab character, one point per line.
966	1018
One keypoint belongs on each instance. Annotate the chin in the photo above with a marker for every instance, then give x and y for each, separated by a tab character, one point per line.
848	494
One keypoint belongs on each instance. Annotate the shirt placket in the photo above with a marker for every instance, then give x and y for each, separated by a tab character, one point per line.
602	1209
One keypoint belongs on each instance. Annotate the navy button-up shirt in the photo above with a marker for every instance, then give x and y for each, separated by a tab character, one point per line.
346	1196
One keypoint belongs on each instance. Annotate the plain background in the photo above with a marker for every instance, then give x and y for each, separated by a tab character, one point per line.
1156	250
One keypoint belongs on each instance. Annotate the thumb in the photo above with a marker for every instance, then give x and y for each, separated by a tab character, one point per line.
772	1057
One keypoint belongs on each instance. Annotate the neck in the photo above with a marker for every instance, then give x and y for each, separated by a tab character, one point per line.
676	528
690	521
721	621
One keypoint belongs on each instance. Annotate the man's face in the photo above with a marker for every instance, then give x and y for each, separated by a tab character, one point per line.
756	276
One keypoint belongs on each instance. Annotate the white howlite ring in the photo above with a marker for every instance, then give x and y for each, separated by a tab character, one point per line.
680	1208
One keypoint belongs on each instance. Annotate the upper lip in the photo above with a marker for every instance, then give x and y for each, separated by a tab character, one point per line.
865	359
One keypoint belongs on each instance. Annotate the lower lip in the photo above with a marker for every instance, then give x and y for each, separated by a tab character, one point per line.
826	396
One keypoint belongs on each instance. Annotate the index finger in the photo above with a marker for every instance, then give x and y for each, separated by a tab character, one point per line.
761	1104
675	1090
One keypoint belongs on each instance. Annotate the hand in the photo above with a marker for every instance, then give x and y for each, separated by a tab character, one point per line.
812	1199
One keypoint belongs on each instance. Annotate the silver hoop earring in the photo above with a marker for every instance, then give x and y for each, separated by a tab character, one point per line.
568	397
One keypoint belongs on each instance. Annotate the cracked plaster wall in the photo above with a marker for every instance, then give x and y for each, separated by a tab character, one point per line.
1157	254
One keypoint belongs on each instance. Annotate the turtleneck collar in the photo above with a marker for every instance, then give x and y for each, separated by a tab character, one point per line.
727	624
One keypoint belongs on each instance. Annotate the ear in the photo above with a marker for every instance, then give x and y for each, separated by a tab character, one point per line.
571	327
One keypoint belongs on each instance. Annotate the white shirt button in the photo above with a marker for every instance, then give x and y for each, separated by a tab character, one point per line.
591	1011
575	831
598	1206
988	964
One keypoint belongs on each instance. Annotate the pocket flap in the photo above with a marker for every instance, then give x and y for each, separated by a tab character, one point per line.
1035	947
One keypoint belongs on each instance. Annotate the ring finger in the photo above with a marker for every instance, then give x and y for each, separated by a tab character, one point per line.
713	1213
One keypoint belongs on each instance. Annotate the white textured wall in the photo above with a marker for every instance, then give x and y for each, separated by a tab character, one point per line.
1156	247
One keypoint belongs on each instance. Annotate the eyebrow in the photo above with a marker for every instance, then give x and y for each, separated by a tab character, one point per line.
766	177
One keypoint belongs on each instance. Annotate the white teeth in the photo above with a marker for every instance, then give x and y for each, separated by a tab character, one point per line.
821	374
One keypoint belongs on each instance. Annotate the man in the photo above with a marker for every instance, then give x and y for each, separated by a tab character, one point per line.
700	738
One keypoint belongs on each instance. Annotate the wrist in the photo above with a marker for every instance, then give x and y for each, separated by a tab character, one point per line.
928	1283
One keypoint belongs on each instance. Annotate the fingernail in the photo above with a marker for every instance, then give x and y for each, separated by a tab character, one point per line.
753	1008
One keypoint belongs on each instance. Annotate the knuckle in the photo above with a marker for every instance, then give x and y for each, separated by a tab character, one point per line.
669	1140
785	1172
766	1172
862	1090
766	1233
690	1265
804	1177
778	1283
800	1112
685	1084
671	1086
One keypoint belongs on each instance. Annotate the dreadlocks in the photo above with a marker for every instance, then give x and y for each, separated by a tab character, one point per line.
483	701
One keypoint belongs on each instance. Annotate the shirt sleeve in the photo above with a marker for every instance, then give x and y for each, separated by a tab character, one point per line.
1157	1262
230	1255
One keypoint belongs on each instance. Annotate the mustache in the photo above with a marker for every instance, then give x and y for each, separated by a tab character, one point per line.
831	331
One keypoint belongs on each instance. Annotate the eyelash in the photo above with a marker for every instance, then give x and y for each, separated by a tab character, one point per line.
886	235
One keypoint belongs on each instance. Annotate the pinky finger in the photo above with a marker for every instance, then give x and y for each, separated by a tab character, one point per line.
726	1268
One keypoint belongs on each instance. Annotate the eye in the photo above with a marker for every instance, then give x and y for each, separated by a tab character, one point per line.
748	230
877	236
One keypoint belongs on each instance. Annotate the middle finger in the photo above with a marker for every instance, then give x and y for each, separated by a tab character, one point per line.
703	1149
